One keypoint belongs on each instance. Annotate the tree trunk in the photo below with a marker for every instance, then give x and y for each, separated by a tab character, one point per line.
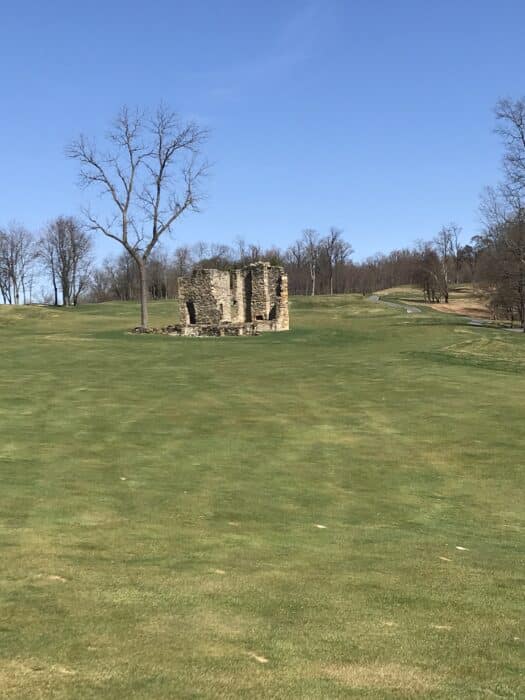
54	280
143	294
522	303
66	298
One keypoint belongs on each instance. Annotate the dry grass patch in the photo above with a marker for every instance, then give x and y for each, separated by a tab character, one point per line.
31	678
466	301
463	301
462	308
491	348
409	680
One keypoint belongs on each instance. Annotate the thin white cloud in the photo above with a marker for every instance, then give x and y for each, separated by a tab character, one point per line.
293	43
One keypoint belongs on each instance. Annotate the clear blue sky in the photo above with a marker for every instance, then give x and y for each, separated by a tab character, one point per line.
372	115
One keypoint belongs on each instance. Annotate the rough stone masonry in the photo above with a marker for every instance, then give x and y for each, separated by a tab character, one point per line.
245	301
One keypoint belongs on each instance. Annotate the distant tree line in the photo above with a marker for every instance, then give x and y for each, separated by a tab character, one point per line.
60	258
502	242
315	264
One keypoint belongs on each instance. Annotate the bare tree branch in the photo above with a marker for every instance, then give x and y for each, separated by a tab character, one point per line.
151	175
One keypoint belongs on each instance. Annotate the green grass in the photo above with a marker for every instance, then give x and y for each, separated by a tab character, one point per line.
160	496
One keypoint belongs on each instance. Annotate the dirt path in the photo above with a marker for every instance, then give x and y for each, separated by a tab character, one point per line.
409	309
469	320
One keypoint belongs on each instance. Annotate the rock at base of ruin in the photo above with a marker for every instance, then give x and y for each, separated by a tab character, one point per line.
218	330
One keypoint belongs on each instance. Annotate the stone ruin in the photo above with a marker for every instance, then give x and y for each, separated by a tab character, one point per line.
245	301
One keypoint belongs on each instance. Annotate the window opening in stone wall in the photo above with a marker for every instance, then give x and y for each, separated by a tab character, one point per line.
273	313
248	297
221	310
259	317
190	306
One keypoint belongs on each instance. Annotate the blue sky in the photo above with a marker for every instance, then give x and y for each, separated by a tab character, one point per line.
375	116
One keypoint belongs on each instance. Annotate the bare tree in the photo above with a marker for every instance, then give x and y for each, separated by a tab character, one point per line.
295	254
428	272
182	260
241	249
158	274
65	252
121	275
456	250
5	277
47	255
295	260
445	243
311	248
150	174
200	250
17	258
510	116
336	250
213	255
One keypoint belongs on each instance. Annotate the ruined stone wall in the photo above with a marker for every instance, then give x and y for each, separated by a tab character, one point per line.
203	297
237	296
257	293
269	298
259	301
220	282
283	318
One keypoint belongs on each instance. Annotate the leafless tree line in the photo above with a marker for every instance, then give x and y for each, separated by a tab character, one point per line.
315	264
433	265
17	256
60	257
502	243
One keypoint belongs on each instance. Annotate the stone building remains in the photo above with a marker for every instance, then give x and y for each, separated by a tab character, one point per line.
245	301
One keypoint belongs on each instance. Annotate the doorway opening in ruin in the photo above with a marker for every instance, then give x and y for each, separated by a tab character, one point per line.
273	313
190	308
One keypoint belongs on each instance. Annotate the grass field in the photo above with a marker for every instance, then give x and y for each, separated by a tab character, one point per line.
162	502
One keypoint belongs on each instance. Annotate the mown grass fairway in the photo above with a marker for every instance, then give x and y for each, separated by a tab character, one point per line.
161	497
